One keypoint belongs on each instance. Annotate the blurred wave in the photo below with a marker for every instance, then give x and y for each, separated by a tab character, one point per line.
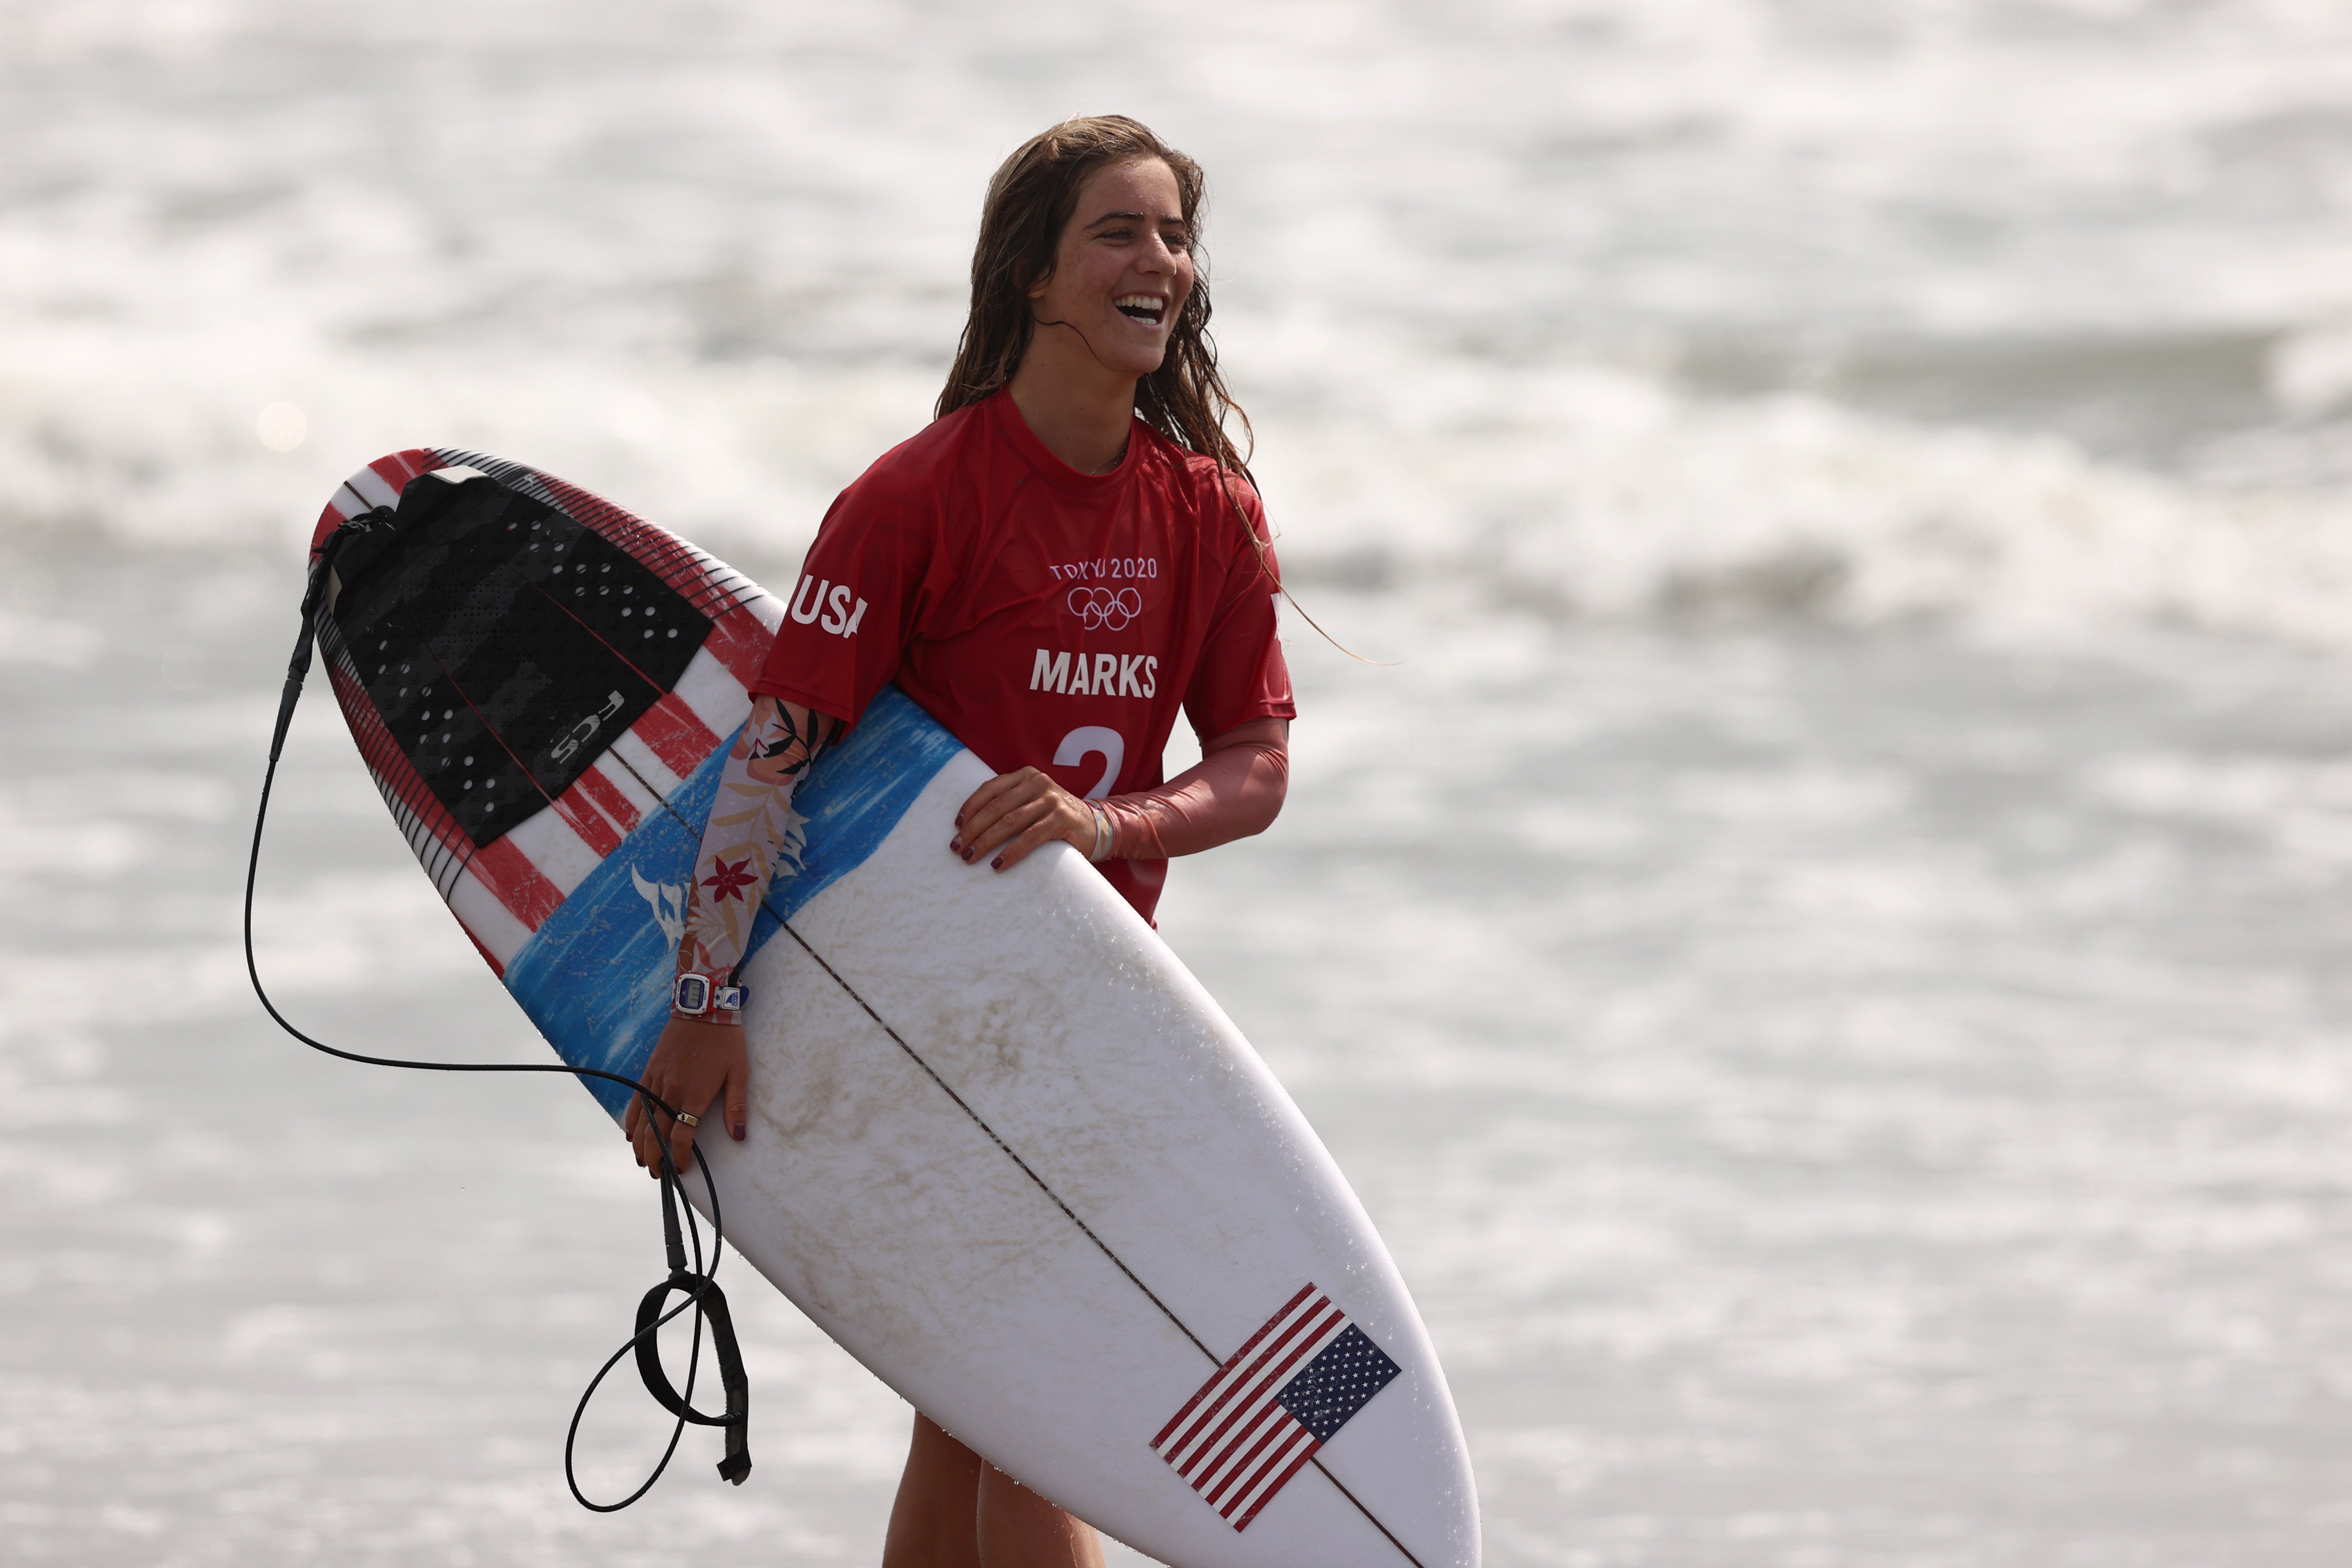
1615	309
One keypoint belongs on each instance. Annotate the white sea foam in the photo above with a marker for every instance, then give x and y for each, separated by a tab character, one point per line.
1490	281
1589	490
1599	492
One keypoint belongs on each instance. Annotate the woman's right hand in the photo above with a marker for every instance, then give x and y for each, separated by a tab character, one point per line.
693	1065
1016	812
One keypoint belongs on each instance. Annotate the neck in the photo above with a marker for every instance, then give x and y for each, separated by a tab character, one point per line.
1078	408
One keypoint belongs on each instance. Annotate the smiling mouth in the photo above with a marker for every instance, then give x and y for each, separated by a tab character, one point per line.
1146	307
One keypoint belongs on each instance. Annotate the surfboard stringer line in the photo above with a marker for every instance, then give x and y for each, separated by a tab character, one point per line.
1084	1230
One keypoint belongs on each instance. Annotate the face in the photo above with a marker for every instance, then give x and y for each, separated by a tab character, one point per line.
1124	269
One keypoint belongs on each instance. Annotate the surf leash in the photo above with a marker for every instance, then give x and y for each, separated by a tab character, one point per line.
682	1244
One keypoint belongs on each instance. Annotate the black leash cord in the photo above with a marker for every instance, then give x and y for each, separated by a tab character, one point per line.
701	1291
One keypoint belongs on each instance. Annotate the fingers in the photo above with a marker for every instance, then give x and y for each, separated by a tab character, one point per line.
645	1141
1023	810
1001	786
640	1130
992	800
645	1137
1018	823
692	1065
985	832
738	1098
1051	823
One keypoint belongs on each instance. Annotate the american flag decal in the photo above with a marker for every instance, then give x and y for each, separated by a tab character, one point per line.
1257	1422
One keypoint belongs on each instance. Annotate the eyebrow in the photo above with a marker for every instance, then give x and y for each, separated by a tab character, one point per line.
1133	217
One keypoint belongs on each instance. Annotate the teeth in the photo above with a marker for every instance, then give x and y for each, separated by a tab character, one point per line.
1150	302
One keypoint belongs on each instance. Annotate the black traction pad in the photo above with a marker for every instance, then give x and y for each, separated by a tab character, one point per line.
504	643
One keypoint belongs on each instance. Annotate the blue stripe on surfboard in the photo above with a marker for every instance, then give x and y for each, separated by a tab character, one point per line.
596	977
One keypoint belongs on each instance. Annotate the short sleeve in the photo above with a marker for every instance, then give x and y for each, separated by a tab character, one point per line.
859	598
1241	675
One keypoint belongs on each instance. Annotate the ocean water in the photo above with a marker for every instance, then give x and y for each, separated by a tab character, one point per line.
1816	922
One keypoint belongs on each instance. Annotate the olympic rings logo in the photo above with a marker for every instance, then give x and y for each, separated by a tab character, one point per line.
1100	607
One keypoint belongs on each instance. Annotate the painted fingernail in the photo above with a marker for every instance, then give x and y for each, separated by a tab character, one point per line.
738	1132
956	844
997	864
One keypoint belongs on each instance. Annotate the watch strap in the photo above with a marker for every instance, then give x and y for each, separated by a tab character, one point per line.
707	998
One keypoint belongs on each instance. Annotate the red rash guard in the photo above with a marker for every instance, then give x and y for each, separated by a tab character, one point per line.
1047	618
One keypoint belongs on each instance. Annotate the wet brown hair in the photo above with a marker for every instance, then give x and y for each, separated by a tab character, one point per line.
1030	200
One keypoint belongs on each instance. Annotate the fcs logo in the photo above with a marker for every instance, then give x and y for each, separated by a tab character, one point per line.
1102	607
580	734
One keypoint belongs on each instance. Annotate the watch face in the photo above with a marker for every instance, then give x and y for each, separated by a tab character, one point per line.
693	993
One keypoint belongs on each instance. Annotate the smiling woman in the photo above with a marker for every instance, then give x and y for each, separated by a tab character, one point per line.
1046	255
1122	276
1068	558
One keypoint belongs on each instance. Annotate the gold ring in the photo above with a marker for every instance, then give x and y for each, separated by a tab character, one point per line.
691	1120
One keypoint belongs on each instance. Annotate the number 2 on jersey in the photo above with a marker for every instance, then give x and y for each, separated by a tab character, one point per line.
1093	738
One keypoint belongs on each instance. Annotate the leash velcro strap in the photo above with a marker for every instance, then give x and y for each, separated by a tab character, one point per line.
737	1416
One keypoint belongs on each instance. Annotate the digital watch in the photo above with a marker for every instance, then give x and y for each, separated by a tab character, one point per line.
707	997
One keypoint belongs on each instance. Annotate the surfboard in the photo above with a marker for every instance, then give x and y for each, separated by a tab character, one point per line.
1003	1146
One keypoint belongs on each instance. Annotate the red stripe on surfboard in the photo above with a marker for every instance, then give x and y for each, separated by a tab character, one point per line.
1232	1362
1235	1385
1286	1428
1266	1496
1322	1330
1229	1385
676	734
609	800
1271	1411
740	643
574	807
518	884
395	470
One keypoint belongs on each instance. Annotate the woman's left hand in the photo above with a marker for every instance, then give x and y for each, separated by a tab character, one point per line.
695	1063
1014	813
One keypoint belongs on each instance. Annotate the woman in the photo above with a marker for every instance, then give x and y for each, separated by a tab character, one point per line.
1069	554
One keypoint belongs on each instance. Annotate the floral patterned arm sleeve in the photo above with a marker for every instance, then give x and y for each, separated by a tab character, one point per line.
753	829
